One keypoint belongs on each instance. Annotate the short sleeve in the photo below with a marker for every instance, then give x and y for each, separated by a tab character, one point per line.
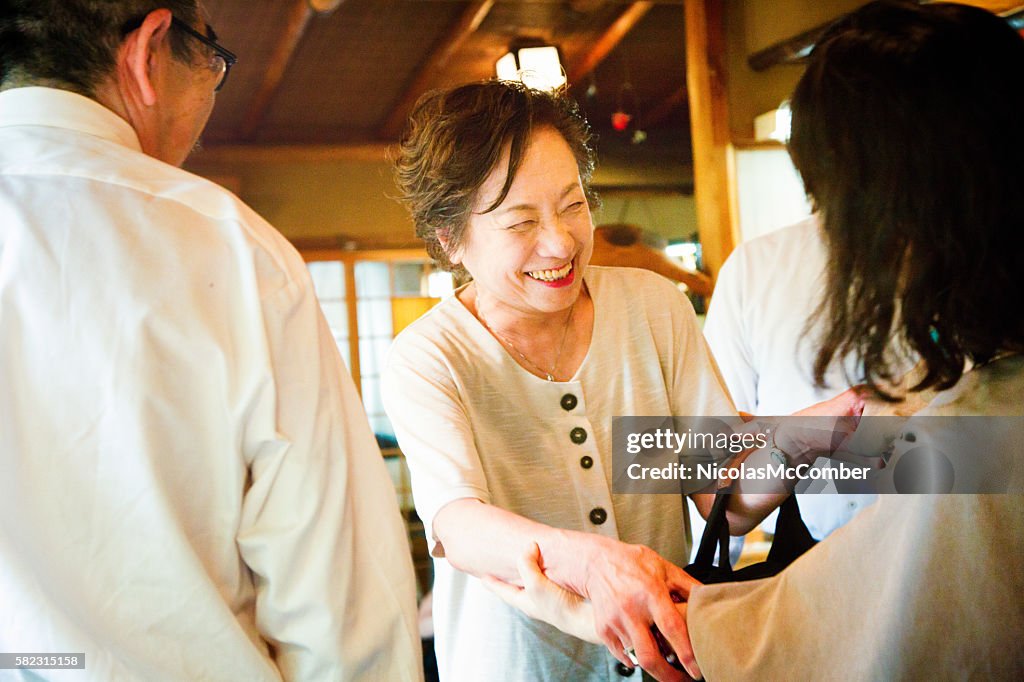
432	427
696	387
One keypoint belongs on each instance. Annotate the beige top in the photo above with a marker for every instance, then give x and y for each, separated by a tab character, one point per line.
916	587
475	424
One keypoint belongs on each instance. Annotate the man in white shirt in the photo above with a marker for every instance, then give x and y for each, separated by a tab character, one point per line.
755	326
189	489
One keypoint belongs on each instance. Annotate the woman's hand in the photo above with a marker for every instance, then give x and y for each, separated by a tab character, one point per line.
849	403
630	587
544	600
820	430
631	592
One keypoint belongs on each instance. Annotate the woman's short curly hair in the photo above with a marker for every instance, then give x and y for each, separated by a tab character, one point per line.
455	138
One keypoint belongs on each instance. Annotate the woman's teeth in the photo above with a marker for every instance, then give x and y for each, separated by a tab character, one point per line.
551	275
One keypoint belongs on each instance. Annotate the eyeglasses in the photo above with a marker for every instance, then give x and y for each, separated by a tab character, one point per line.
220	62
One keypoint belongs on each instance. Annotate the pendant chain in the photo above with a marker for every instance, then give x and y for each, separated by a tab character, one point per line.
550	376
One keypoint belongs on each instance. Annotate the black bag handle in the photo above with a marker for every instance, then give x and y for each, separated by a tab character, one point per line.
716	532
791	540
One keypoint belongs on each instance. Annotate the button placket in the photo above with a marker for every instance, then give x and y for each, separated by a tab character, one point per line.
597	515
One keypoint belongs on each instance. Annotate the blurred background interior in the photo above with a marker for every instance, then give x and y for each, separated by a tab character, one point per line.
686	98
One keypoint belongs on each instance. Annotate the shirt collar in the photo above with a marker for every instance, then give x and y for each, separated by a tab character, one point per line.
50	107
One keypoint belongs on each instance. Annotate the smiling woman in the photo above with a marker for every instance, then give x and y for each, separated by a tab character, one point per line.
502	396
526	253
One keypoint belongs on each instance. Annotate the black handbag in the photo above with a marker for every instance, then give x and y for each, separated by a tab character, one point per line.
791	540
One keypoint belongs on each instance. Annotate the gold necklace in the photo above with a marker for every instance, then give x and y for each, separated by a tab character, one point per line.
550	376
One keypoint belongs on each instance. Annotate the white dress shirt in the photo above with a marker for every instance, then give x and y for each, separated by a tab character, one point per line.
189	489
766	291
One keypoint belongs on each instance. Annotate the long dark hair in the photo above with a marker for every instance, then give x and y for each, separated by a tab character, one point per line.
906	132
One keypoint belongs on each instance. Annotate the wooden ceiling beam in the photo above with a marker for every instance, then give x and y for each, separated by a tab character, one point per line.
260	154
619	29
798	47
295	28
664	108
466	26
324	6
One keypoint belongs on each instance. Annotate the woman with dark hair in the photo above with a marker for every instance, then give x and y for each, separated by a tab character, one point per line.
502	397
904	133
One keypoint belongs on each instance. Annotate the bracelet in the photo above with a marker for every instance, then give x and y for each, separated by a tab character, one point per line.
777	453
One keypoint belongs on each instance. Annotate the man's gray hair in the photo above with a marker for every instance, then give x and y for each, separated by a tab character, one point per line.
72	44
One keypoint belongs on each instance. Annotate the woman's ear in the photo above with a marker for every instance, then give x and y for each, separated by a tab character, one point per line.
454	255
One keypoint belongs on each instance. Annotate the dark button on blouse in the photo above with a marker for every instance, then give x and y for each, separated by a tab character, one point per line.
624	670
598	516
578	435
568	402
586	461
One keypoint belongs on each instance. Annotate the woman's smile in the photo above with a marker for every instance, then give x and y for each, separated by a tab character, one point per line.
554	277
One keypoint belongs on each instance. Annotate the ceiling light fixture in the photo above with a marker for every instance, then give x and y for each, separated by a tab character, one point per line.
537	67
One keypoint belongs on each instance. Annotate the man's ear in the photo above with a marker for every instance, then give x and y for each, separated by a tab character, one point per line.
139	53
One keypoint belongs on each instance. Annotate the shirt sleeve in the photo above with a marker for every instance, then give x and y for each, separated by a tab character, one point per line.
321	531
697	388
728	337
433	429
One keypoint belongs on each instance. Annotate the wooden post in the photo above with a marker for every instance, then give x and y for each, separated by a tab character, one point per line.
709	124
353	325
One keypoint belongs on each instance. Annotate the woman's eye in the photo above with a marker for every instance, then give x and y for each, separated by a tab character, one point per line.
574	206
520	226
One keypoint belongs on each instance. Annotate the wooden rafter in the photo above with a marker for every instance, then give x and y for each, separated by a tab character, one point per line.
607	42
295	28
799	46
324	6
314	153
466	26
664	108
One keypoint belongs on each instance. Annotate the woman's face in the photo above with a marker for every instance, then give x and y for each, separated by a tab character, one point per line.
529	253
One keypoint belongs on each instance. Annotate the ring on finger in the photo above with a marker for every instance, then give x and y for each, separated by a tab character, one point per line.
631	655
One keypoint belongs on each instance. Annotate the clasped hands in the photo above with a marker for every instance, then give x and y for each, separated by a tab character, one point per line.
632	599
